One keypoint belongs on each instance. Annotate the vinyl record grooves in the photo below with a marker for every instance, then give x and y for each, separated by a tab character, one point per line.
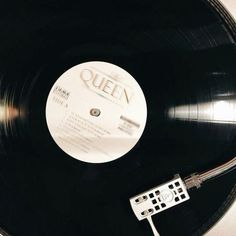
182	55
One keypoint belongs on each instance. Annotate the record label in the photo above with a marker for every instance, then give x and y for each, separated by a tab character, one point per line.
96	112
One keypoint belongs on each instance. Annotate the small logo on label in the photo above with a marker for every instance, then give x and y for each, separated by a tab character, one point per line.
63	93
166	196
106	86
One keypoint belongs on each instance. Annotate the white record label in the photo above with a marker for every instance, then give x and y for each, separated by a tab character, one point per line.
96	112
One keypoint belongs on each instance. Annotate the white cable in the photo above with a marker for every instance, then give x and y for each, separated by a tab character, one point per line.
154	230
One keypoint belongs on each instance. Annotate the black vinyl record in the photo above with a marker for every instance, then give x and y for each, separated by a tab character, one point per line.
182	54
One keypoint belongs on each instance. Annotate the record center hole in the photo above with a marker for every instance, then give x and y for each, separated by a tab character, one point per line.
95	112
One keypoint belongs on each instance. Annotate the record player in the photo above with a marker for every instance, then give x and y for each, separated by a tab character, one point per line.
117	118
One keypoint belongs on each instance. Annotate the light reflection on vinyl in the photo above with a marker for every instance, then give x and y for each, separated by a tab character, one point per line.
222	111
